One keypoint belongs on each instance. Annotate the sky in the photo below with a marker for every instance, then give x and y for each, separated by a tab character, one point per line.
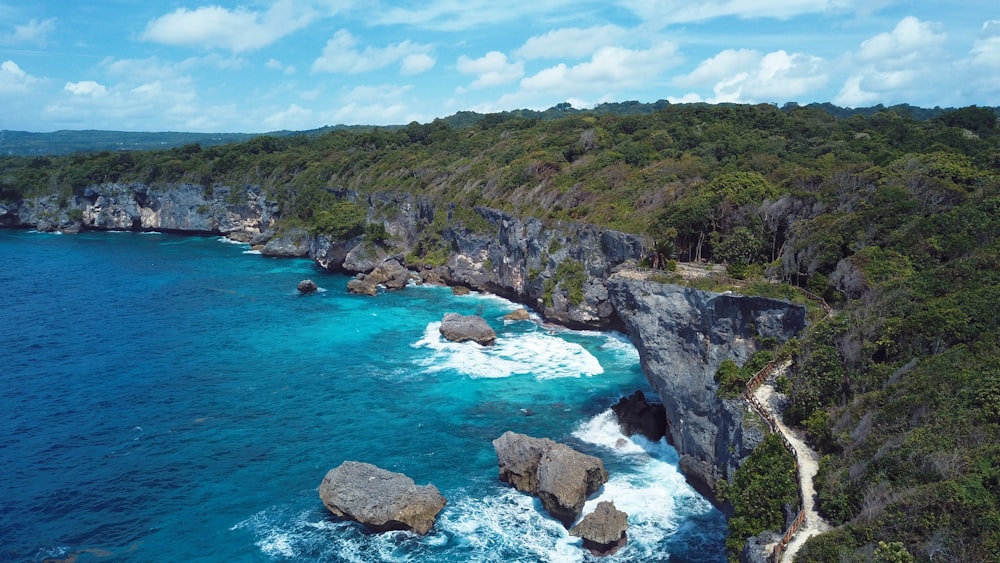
267	65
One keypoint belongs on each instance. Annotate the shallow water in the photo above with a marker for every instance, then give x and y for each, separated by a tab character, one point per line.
174	398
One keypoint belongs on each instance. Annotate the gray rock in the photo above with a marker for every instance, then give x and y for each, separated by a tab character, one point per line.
683	335
604	531
390	274
561	477
287	244
307	286
380	499
461	328
361	285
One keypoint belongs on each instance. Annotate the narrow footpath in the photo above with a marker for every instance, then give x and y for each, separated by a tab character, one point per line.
808	461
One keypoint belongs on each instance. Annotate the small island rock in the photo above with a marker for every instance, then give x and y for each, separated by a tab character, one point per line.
518	315
603	530
561	477
381	500
460	328
308	286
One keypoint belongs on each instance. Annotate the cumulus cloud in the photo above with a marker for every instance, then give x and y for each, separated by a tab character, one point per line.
375	105
343	55
900	64
86	88
610	68
292	118
236	30
460	15
13	79
747	76
571	42
492	69
34	32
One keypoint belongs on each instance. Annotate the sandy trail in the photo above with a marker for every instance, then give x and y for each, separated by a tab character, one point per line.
808	466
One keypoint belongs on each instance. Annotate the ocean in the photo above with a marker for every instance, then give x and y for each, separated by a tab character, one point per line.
169	398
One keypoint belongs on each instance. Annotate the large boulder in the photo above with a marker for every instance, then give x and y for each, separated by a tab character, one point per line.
308	286
380	499
636	415
391	274
561	477
521	314
460	328
603	530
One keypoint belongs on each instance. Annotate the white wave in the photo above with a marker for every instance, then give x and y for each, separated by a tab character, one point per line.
228	240
653	492
251	251
548	357
621	346
508	524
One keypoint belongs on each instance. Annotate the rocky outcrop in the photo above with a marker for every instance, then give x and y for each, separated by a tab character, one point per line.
603	530
462	328
380	499
638	416
307	286
561	477
288	243
389	274
683	335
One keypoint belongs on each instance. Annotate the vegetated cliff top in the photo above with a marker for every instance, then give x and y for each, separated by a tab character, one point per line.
893	219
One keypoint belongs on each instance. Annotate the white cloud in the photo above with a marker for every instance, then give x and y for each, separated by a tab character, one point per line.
374	105
34	32
13	79
342	55
492	69
276	65
610	68
86	88
905	64
746	76
294	118
572	42
417	63
236	30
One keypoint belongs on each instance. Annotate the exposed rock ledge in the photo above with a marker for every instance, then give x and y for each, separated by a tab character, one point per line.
461	328
380	499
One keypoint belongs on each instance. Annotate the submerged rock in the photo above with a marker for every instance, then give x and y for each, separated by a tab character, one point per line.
381	500
460	328
603	530
308	286
638	416
561	477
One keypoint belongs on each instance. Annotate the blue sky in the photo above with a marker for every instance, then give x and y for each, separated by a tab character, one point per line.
265	65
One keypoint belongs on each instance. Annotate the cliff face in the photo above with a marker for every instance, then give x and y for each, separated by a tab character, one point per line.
683	335
241	213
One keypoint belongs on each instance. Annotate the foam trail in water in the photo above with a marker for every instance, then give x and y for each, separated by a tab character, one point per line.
548	357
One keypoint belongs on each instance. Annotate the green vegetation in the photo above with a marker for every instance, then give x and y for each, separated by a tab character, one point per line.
891	215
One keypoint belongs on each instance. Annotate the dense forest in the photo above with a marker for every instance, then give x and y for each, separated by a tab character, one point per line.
892	215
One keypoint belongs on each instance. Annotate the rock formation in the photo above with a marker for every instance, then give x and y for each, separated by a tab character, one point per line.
638	416
461	328
603	530
380	499
307	286
561	477
518	315
683	335
389	274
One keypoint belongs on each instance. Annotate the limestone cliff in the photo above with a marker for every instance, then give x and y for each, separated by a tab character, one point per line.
241	213
683	335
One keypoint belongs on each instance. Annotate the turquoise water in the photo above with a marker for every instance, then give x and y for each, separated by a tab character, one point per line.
174	399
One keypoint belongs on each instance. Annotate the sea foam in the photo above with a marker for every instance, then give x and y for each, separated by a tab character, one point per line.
546	356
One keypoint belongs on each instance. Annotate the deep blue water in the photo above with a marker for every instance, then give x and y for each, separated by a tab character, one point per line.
174	399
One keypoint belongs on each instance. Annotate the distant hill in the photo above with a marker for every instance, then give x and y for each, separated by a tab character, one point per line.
24	143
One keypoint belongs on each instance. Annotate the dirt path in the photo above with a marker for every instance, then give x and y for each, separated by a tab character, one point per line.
808	465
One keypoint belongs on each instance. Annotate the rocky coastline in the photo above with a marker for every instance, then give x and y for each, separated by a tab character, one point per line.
569	273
